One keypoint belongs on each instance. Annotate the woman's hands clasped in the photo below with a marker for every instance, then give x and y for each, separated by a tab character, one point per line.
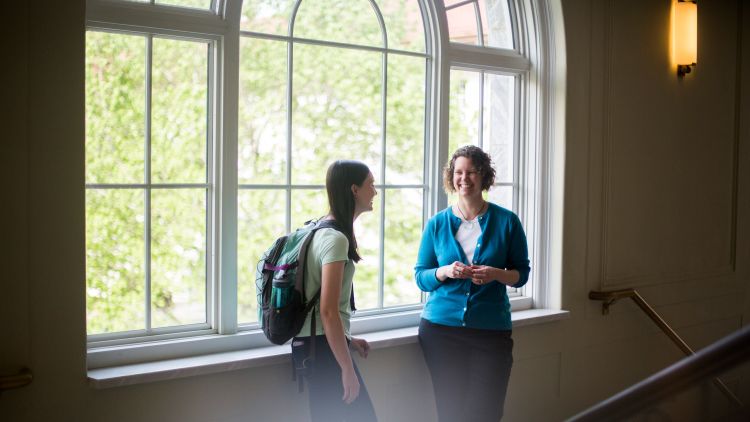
478	274
483	274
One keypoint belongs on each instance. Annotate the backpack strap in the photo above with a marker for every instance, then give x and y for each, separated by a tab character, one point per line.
332	224
313	340
299	285
299	282
313	321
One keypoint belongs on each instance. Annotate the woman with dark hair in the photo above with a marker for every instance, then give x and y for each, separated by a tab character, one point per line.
468	255
337	392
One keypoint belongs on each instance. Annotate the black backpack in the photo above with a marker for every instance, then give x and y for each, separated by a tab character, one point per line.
280	284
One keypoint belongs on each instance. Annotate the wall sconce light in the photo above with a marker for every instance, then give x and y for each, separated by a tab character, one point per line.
685	35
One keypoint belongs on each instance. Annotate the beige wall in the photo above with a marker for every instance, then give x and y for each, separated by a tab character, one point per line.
657	170
650	195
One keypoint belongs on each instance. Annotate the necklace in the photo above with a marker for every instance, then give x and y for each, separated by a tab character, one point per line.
474	220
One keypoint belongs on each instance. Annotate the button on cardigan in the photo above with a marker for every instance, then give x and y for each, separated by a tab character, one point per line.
459	302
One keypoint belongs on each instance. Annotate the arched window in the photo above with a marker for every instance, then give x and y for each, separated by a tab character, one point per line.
325	80
210	125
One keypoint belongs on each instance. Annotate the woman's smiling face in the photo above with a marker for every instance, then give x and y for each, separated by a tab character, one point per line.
364	195
466	179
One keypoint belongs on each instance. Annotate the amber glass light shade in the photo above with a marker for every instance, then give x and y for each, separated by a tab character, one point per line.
685	35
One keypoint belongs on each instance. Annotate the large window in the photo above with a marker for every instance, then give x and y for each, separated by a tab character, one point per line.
209	126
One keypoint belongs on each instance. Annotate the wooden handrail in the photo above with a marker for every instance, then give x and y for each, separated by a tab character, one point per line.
611	297
716	358
21	379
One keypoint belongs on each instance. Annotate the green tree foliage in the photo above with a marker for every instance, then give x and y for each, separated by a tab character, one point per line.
116	145
115	129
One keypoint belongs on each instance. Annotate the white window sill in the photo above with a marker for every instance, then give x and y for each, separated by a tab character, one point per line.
139	373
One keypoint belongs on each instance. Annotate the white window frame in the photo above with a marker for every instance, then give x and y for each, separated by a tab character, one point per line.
539	112
213	92
537	198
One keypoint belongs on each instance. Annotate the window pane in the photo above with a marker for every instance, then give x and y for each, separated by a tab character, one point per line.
115	107
464	109
260	220
178	257
179	111
496	25
499	123
267	16
115	260
405	120
403	229
345	21
496	29
308	204
262	112
367	231
502	195
462	24
337	103
403	23
197	4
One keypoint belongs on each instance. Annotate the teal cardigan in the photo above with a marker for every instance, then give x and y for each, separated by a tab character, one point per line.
459	302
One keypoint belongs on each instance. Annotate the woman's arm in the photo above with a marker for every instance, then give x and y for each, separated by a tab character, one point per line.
330	292
517	271
428	272
519	254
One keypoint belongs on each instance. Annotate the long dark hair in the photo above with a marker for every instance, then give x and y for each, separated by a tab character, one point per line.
341	175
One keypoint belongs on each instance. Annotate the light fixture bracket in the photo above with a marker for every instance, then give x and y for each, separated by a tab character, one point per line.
684	69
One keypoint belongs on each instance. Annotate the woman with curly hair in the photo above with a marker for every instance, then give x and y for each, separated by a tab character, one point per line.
469	253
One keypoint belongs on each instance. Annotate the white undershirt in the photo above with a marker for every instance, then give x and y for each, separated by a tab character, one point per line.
467	236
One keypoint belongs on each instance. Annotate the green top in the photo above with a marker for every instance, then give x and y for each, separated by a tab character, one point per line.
328	245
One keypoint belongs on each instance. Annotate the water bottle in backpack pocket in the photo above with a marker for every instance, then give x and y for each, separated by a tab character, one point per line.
282	290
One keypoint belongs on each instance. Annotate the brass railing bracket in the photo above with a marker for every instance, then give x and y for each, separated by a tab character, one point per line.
609	298
21	379
605	306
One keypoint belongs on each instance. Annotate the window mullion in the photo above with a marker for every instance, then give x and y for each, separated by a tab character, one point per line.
210	191
147	180
480	129
289	96
383	151
480	29
436	139
226	83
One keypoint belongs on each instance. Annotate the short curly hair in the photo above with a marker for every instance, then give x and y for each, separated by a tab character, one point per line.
481	161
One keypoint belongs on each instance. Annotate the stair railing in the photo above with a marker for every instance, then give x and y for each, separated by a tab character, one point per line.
716	358
611	297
